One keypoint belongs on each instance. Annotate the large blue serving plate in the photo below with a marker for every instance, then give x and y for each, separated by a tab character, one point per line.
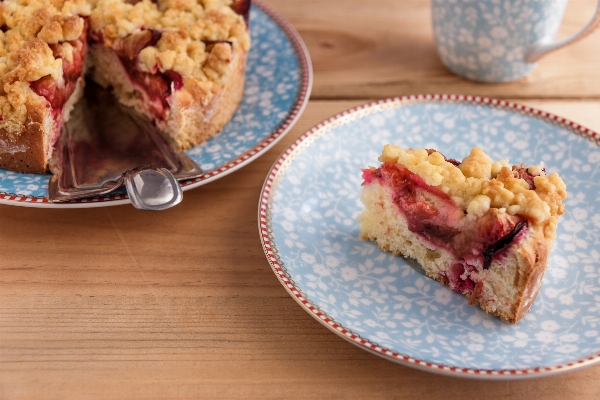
278	84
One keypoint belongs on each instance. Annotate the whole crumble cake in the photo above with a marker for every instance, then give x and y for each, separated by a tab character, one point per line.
484	228
179	62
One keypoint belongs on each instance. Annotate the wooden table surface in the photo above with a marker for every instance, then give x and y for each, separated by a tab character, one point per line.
117	303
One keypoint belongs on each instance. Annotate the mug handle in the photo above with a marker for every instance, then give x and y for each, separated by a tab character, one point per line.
540	49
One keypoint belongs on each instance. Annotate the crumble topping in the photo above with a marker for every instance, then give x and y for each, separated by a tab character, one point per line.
27	30
478	184
198	38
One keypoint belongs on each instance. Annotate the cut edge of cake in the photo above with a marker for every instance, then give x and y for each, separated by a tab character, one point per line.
187	122
472	225
204	80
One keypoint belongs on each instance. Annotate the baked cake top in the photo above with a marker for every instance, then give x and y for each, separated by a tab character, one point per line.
197	37
478	183
197	40
27	29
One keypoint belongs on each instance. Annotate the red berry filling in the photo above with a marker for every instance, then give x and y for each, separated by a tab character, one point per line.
157	86
129	47
520	171
436	218
242	7
58	92
455	278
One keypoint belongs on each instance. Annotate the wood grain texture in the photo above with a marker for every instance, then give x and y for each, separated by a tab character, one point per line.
114	303
385	48
117	303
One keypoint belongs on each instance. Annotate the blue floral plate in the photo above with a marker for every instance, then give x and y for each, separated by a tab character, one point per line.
384	304
278	84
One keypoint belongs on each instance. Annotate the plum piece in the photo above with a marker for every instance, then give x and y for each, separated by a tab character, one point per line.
57	93
432	222
71	70
174	78
130	46
242	7
133	2
455	280
157	86
520	171
450	160
435	217
497	247
47	87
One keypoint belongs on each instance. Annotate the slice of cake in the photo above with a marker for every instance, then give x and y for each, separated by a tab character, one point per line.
484	228
181	63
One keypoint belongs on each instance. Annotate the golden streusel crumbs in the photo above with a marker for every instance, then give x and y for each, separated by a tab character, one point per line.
28	28
197	41
479	183
185	26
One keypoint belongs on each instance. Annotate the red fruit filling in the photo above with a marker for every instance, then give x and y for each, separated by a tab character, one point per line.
242	7
458	280
450	160
129	47
58	92
137	1
520	171
157	86
436	218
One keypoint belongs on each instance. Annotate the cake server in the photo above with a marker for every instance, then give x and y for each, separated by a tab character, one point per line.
106	147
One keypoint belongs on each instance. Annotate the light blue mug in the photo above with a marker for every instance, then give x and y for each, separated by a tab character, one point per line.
499	40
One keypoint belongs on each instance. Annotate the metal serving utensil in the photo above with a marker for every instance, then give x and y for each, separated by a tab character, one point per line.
106	146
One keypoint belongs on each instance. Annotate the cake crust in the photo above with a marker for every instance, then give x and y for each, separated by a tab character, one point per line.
445	222
27	153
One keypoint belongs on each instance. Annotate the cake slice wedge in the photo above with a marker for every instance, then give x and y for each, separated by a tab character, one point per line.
483	228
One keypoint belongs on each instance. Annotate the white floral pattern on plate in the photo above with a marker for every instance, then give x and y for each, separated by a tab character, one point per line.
277	88
383	303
